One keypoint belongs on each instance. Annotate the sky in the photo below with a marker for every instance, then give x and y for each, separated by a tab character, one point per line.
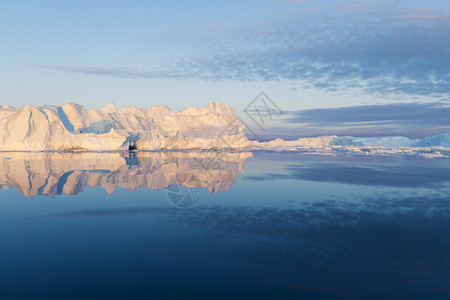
332	67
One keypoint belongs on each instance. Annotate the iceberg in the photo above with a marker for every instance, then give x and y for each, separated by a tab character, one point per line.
71	127
431	147
385	141
440	140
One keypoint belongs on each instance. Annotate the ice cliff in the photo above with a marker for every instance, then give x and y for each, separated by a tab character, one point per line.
73	127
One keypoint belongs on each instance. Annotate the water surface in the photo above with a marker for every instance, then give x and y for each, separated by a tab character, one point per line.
188	225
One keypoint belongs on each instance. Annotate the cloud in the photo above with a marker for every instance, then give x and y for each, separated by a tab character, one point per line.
291	1
359	236
381	173
116	72
414	120
374	48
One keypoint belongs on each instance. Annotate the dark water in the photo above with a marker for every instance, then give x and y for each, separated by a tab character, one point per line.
223	226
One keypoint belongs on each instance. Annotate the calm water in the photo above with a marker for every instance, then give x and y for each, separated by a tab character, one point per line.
223	226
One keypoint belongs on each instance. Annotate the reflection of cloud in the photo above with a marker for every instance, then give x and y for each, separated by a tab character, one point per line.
406	119
377	48
54	174
112	212
390	172
391	244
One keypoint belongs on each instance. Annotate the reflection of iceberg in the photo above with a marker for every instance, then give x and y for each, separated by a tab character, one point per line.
69	173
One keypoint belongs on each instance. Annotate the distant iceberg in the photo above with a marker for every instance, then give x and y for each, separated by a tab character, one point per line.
385	141
441	140
431	147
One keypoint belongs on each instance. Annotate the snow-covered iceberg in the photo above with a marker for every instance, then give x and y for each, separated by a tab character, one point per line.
432	146
440	140
73	127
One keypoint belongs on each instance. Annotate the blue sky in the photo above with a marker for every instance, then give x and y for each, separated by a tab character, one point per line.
306	55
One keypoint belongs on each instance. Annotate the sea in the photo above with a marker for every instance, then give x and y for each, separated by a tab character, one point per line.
223	225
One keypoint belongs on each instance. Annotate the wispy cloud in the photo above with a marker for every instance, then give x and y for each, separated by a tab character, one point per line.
414	120
291	1
116	72
382	172
374	48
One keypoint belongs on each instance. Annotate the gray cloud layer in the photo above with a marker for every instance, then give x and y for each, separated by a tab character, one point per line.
381	51
414	120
